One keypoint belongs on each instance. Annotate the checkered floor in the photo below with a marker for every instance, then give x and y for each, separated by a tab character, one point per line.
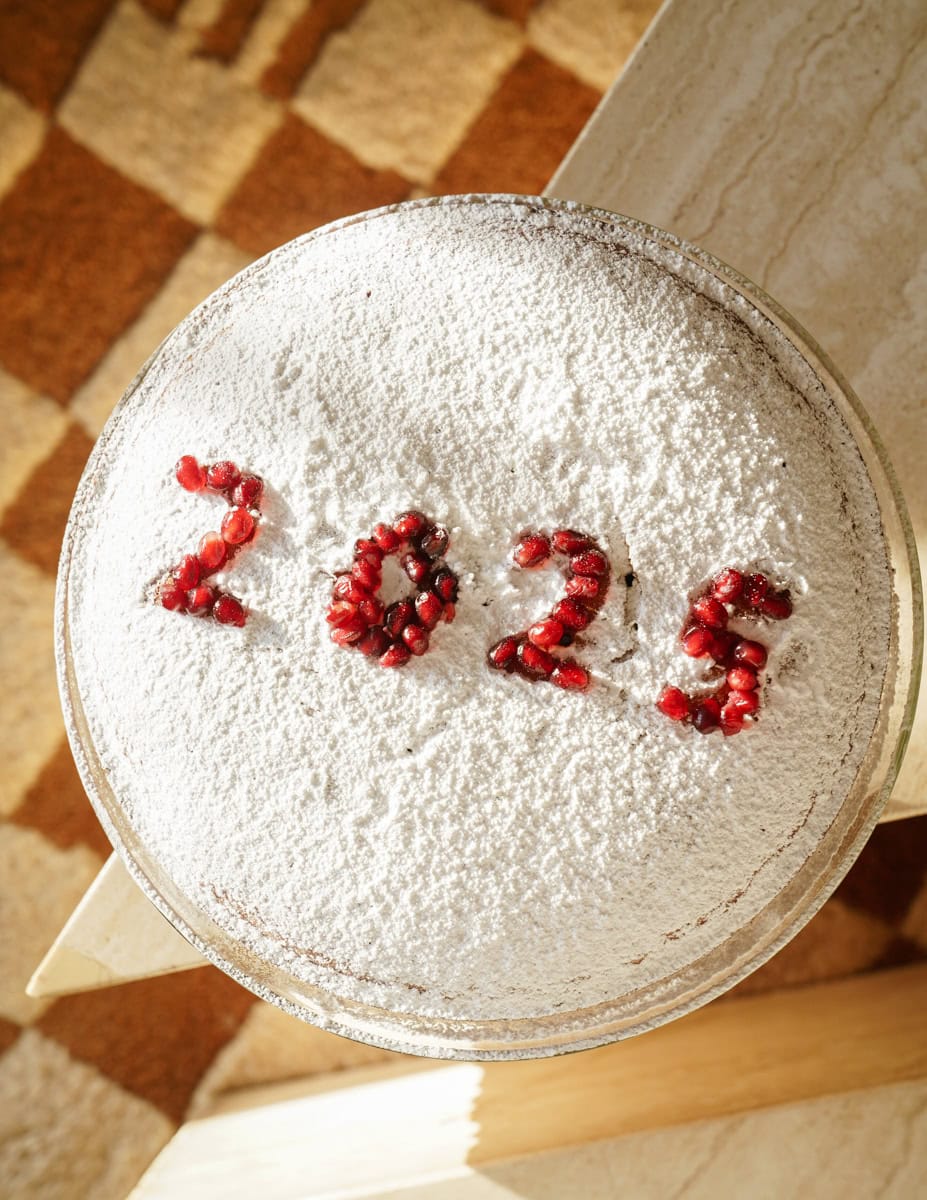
148	150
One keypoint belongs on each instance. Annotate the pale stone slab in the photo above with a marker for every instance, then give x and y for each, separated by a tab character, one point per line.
21	131
31	726
39	885
115	934
366	75
177	124
791	141
32	427
68	1131
591	38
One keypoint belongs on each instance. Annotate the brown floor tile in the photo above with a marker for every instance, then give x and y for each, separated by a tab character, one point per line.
155	1037
83	251
42	43
299	181
9	1032
515	10
57	806
223	38
34	523
301	46
164	10
889	873
900	952
518	140
835	943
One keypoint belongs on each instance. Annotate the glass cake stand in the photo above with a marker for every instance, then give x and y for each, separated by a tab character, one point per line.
678	993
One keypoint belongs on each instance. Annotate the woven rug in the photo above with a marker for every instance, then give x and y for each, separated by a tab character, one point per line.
148	150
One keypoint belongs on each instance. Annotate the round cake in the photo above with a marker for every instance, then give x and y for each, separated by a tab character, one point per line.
450	842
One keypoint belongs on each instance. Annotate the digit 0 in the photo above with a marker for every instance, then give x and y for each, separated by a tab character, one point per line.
185	587
395	634
532	653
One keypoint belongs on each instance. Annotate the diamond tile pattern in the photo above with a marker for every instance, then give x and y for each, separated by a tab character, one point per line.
148	150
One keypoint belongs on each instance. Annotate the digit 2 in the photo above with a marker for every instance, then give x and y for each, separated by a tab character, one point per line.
184	587
532	652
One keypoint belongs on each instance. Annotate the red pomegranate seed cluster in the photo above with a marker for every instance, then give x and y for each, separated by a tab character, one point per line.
395	634
531	652
735	701
185	587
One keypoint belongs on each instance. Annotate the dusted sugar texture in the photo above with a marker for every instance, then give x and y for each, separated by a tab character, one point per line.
443	839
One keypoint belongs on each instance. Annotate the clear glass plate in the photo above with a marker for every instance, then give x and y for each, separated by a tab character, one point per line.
675	994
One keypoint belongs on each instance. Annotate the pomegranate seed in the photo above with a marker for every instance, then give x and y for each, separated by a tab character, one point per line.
502	655
201	599
535	661
371	610
369	551
742	702
416	566
366	574
742	679
374	642
211	552
732	721
728	586
434	540
583	587
706	714
229	611
546	633
750	654
249	491
189	474
755	588
396	656
237	526
409	525
398	616
698	643
568	541
428	607
187	572
346	587
387	539
570	676
415	638
172	596
776	605
710	612
571	614
222	476
590	562
723	642
444	585
673	703
340	612
531	550
450	612
352	631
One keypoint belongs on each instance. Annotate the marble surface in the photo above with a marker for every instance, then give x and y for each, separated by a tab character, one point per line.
859	1144
791	141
